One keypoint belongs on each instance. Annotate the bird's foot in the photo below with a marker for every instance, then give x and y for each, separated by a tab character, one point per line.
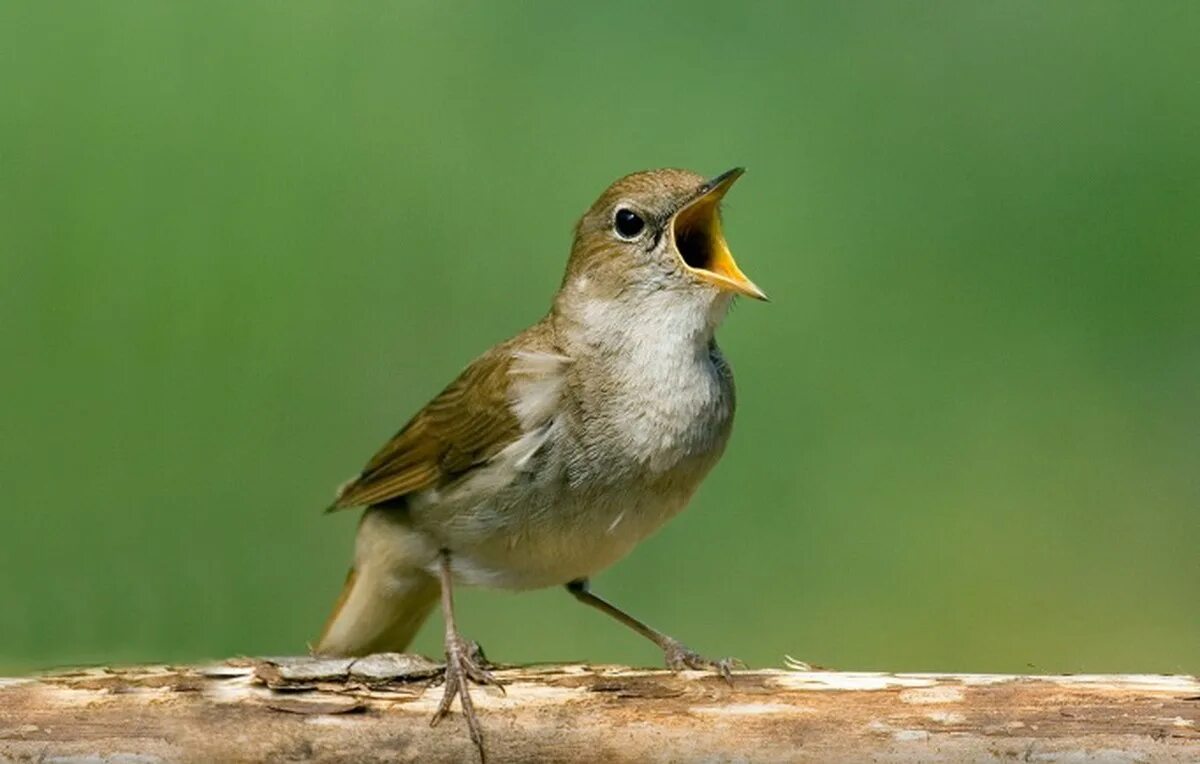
476	655
464	663
679	657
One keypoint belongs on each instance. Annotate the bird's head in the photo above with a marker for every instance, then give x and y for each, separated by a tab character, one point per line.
656	233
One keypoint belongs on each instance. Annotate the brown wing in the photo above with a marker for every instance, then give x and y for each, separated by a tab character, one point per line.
465	425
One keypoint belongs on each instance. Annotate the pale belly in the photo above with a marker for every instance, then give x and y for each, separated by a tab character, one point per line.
557	507
551	556
559	518
549	535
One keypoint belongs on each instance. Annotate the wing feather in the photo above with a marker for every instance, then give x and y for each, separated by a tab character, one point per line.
465	425
504	394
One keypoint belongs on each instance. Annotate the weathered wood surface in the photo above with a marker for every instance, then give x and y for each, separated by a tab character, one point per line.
378	709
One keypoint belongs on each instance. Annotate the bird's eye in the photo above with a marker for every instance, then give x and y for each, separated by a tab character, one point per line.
628	223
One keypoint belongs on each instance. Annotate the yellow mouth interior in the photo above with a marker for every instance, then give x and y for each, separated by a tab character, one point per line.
698	235
701	245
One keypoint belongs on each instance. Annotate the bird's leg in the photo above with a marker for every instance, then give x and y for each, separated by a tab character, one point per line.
677	655
463	660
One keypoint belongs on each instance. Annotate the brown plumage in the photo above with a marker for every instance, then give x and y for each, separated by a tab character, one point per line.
463	427
554	453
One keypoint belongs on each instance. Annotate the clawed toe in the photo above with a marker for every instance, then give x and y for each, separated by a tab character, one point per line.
679	657
466	659
476	655
463	661
726	666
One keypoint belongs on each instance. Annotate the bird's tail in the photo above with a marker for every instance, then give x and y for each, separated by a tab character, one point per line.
378	611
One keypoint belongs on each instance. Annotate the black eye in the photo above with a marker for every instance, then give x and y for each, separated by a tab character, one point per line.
628	224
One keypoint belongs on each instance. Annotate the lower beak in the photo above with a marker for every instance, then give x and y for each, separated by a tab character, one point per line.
701	245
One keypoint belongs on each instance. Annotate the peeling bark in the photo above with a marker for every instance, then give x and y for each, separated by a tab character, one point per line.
377	709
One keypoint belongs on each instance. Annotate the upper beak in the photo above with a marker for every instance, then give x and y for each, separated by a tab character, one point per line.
697	230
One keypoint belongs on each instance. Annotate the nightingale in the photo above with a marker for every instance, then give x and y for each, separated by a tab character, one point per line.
554	453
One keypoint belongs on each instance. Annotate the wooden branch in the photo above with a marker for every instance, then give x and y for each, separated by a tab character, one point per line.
378	709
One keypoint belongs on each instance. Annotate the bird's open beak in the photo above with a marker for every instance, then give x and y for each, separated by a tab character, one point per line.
700	243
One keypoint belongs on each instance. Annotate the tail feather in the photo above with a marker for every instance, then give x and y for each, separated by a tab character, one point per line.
377	613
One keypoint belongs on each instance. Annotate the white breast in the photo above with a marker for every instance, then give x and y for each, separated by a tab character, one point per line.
665	399
618	434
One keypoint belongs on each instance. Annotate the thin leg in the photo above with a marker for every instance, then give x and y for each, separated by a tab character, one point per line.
677	655
461	663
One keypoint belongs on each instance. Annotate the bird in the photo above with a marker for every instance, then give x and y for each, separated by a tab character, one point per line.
558	450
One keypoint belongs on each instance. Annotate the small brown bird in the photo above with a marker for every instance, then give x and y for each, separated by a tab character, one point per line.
557	451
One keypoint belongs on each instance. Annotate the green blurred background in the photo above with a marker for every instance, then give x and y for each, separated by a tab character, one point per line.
240	243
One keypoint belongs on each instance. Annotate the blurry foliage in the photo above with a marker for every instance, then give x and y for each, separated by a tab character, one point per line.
240	243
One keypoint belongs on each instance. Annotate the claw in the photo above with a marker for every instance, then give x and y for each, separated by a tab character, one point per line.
462	667
678	657
475	655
